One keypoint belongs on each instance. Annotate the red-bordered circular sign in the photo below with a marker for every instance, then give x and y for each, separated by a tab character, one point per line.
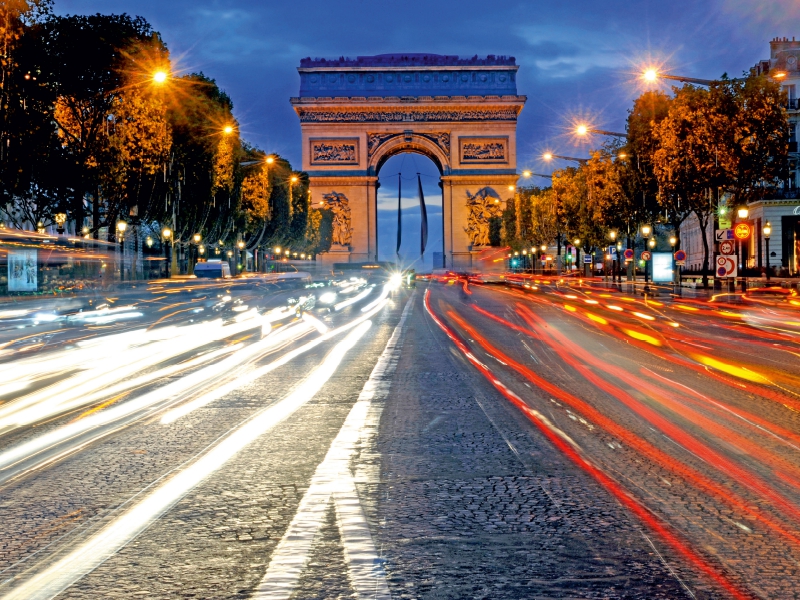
742	231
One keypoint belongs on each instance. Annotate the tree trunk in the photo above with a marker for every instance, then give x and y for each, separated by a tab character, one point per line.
703	223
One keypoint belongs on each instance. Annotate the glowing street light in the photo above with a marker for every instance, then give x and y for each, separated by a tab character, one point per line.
511	188
166	233
277	249
197	237
646	231
294	179
526	173
743	213
160	76
270	160
550	156
228	129
584	130
767	231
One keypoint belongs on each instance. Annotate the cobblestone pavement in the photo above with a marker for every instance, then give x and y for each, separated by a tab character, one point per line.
519	469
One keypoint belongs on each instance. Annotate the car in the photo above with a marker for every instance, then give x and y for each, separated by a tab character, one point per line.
212	269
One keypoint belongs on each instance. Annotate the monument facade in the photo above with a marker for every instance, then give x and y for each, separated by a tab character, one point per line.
461	113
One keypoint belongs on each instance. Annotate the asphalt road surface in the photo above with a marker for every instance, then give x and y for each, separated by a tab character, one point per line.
535	440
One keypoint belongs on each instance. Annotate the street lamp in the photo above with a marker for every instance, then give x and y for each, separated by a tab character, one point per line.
652	243
61	218
584	130
743	213
160	77
197	237
166	234
577	243
550	156
767	231
121	227
646	231
228	129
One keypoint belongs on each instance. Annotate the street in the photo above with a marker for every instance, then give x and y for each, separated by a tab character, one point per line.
537	440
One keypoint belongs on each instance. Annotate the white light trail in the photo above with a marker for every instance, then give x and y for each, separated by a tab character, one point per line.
109	540
333	479
196	380
353	300
205	399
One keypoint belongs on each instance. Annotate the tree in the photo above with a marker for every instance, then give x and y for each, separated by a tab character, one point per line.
756	149
86	63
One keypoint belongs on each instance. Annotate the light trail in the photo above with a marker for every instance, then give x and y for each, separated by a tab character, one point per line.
114	536
171	391
555	437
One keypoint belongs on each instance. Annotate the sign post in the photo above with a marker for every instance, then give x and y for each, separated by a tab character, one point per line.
680	260
742	233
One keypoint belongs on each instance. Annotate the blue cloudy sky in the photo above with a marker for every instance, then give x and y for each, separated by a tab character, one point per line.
579	59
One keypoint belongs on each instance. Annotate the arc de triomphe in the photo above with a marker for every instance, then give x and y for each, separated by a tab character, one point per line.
461	113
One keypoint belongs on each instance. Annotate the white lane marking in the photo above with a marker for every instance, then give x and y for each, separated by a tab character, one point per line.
122	530
333	479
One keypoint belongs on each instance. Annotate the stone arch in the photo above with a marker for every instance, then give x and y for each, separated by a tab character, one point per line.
357	113
414	143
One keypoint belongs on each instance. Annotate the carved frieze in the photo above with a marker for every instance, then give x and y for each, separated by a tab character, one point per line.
334	151
440	138
322	115
483	150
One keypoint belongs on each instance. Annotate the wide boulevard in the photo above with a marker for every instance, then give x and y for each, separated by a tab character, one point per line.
537	438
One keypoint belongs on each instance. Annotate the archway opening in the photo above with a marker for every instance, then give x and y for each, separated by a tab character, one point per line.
399	172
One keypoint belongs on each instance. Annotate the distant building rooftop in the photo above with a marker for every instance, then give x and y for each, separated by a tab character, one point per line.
409	60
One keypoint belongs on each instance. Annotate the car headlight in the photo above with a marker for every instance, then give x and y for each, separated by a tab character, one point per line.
328	298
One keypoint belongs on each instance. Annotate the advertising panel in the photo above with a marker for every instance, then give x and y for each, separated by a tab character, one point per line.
22	271
662	267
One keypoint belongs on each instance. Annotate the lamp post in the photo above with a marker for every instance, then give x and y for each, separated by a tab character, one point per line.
743	213
121	227
61	218
166	236
196	238
241	261
613	235
767	231
676	270
646	231
577	243
619	262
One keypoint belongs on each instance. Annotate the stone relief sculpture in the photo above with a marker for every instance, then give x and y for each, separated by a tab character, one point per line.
339	205
334	152
483	206
484	150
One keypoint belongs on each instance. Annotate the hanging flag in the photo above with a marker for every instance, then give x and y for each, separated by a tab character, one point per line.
424	214
399	213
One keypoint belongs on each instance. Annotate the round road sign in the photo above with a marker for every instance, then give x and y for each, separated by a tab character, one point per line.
680	255
628	254
645	255
726	266
727	247
742	231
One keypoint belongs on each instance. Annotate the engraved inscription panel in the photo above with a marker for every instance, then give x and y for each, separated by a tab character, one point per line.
483	150
334	151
